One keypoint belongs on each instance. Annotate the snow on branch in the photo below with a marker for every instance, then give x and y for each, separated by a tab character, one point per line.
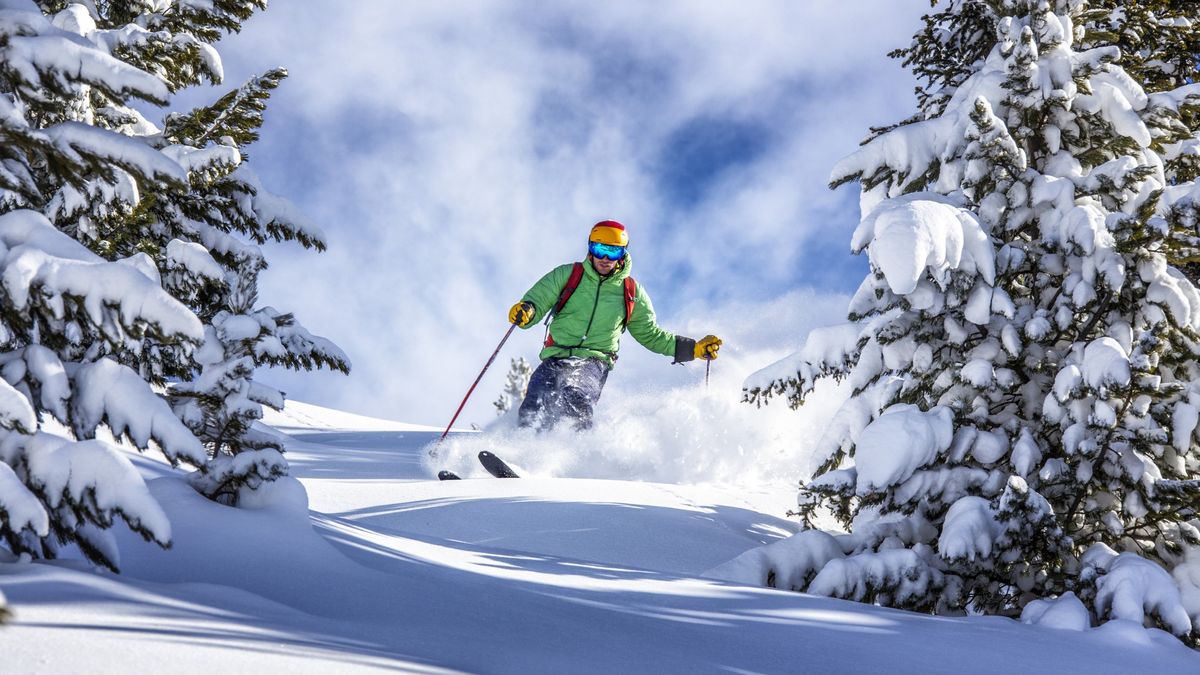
277	216
35	51
15	412
84	142
20	510
36	257
921	233
826	352
96	480
789	563
900	441
900	576
1133	588
109	392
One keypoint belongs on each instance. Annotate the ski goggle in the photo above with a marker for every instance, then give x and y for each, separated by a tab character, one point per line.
606	251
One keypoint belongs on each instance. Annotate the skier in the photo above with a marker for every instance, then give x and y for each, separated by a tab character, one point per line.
589	305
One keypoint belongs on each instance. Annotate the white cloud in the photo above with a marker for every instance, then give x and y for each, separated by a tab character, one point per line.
455	151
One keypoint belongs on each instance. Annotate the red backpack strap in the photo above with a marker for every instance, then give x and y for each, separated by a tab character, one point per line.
572	284
568	289
630	299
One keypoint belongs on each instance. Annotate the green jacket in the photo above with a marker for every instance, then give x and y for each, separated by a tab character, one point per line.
589	325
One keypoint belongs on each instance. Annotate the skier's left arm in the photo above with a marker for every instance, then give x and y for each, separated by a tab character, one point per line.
645	329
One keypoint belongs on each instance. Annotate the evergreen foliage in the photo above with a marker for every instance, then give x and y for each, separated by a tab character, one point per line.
68	317
216	271
1025	357
515	384
129	260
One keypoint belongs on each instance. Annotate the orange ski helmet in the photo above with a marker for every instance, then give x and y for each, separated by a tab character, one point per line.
609	232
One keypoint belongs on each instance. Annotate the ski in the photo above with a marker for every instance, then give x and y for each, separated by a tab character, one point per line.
496	466
448	475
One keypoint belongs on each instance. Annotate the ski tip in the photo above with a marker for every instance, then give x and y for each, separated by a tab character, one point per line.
448	475
496	466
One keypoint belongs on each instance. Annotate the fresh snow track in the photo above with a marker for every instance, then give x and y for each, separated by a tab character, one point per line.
392	570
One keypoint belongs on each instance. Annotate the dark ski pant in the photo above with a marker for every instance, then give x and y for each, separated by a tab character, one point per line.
564	387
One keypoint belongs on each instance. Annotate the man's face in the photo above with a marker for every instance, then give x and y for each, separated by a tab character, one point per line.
603	265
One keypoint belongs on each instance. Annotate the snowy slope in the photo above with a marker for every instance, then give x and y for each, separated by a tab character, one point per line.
392	571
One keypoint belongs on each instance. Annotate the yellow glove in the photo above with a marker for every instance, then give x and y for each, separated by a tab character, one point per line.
521	314
706	347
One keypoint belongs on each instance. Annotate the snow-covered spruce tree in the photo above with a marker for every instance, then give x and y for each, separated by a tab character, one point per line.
515	384
1160	49
68	317
204	237
1023	357
223	219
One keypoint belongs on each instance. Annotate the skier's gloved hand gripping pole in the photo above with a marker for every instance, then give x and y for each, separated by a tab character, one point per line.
516	318
706	348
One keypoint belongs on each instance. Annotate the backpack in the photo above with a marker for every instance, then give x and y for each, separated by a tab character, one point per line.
573	283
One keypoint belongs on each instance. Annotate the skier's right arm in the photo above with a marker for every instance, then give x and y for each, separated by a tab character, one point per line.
545	293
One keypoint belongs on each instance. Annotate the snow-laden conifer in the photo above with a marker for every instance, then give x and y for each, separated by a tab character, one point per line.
200	237
217	228
515	384
122	249
71	319
1023	355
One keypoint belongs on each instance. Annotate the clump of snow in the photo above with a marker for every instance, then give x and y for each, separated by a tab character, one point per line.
859	577
1133	588
1105	362
1027	454
908	236
199	159
19	508
969	531
1065	612
51	377
107	391
97	474
978	372
788	563
15	411
194	258
900	441
1187	575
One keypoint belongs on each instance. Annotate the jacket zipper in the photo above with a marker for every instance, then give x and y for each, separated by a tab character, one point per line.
593	316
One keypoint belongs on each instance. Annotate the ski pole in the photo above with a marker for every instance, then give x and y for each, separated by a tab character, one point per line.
433	451
707	368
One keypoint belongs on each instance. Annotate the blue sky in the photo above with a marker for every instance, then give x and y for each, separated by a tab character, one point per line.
453	152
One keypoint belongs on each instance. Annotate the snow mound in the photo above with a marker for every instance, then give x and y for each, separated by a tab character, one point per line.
1065	612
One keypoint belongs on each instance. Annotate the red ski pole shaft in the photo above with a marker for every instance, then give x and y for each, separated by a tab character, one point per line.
472	389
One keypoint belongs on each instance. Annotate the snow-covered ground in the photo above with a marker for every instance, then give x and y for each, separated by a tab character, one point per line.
366	563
